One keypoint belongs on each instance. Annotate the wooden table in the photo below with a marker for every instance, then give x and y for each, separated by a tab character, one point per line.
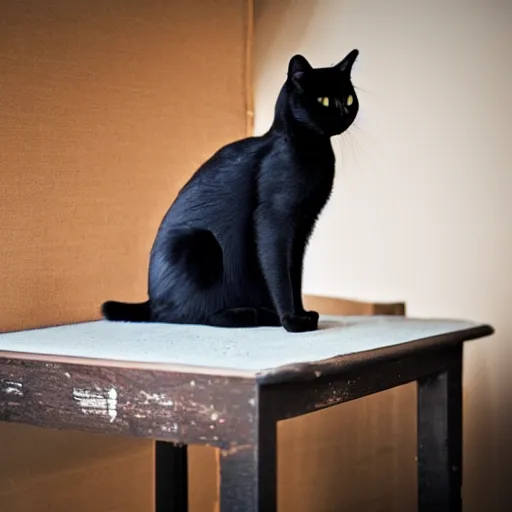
229	387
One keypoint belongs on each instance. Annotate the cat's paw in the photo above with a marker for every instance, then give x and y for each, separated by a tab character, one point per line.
314	316
299	323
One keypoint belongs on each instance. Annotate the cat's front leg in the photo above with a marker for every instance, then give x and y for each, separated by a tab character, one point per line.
275	248
296	279
296	272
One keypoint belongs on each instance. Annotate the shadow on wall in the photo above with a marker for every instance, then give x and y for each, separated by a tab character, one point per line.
487	423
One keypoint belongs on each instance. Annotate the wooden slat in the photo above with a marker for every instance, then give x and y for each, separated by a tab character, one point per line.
339	306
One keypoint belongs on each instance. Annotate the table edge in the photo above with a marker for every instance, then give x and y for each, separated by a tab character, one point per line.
340	364
281	374
127	365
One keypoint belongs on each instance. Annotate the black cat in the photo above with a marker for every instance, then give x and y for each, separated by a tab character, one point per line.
230	249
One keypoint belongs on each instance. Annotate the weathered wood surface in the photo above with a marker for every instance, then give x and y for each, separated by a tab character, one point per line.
236	407
169	406
302	397
188	408
191	406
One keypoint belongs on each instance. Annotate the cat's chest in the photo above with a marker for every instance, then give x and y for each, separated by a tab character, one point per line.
298	180
315	178
315	193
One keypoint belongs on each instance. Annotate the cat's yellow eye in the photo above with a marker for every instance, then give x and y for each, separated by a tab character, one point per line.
324	101
350	100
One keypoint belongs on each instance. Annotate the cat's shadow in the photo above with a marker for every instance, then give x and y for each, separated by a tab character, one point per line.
324	325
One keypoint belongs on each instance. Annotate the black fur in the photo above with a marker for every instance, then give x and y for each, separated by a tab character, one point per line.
229	251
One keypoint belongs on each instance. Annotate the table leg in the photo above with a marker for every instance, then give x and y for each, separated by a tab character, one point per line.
248	474
440	440
171	482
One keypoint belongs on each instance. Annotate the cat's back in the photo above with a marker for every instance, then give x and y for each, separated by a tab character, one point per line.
224	183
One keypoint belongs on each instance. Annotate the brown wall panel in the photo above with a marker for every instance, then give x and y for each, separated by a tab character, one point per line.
106	108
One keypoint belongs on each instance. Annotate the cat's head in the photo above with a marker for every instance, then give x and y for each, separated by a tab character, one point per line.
322	98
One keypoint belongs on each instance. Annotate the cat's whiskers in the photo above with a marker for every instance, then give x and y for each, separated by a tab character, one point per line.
354	149
366	91
349	140
338	149
362	139
340	143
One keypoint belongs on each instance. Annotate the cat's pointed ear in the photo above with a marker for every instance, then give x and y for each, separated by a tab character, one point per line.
297	67
345	66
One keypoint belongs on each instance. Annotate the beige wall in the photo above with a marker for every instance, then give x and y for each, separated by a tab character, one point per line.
106	108
422	208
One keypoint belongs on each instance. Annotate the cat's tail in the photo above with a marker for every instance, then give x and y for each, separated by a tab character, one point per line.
126	312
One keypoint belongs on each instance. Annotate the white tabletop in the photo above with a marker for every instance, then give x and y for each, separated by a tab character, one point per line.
230	351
